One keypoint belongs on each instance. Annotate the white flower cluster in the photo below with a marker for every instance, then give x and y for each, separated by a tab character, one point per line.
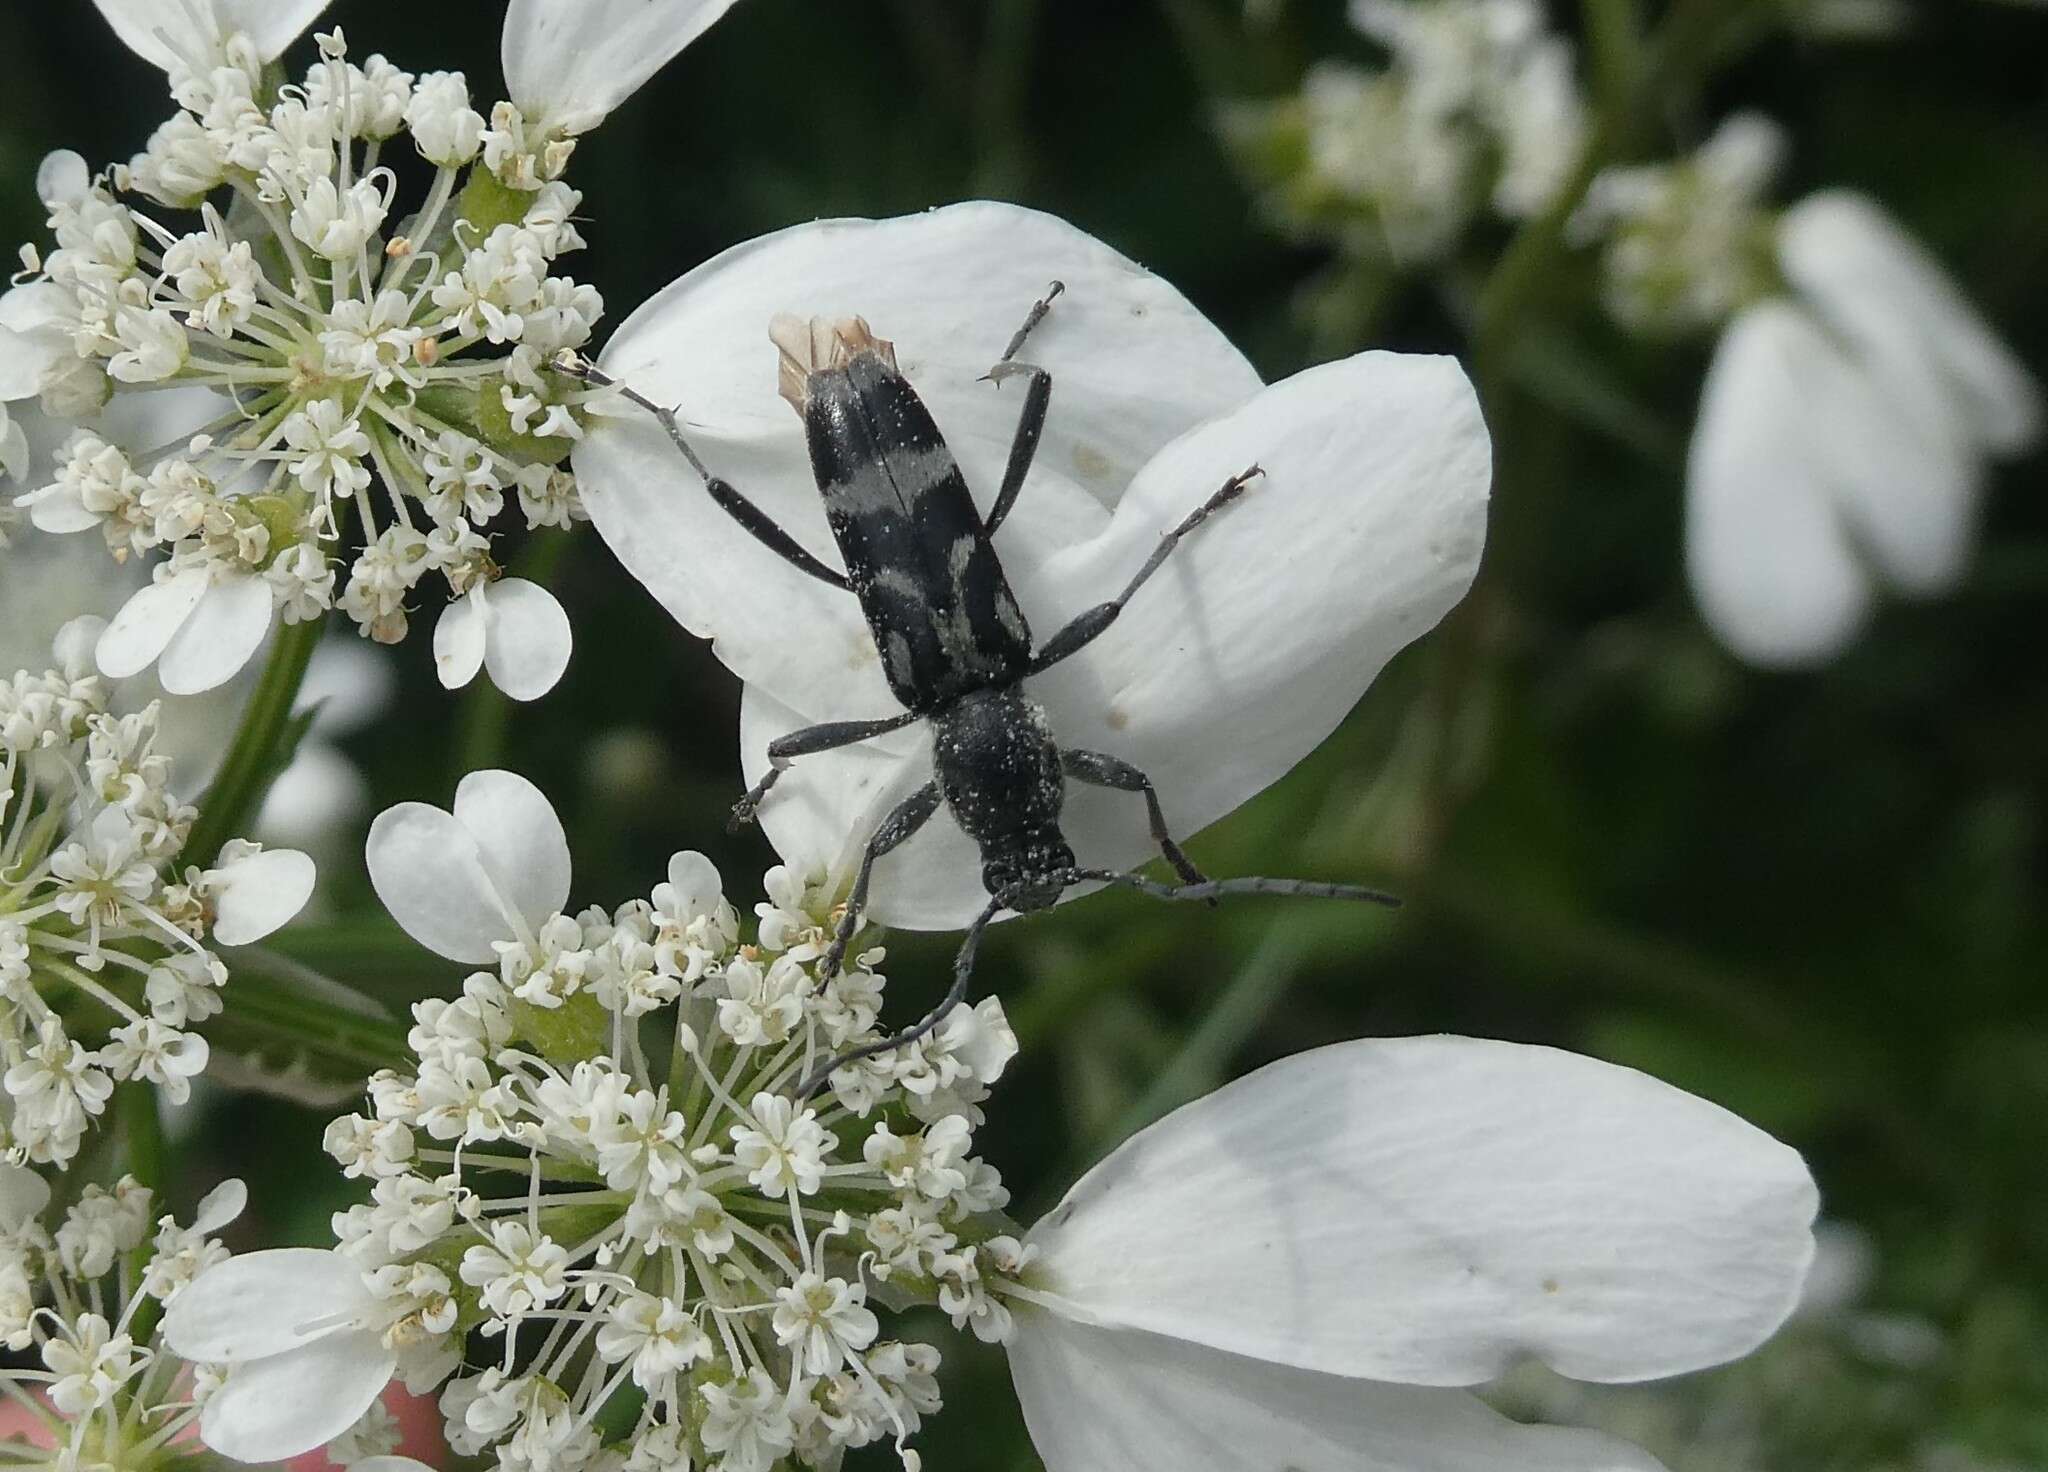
85	1299
598	1162
1688	243
1477	107
105	967
376	375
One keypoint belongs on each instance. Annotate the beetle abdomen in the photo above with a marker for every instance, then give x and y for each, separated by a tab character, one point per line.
944	619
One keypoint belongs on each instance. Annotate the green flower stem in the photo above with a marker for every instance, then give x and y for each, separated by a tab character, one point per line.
1695	34
252	759
138	1120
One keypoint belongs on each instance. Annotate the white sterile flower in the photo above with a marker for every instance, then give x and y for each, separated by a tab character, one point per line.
1300	1268
1844	435
103	907
691	1227
466	883
352	338
1246	652
511	627
197	623
287	1322
118	1394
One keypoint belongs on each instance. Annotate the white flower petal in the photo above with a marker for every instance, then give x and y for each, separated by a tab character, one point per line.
570	62
56	508
427	869
272	24
148	621
264	1303
520	840
75	642
23	1195
34	338
223	633
63	177
221	1205
1134	365
1427	1210
529	643
312	798
460	635
1102	1399
351	681
1765	546
1906	314
261	893
278	1407
695	881
166	34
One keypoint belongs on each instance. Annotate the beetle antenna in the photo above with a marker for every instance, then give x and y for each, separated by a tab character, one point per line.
963	968
572	364
1214	889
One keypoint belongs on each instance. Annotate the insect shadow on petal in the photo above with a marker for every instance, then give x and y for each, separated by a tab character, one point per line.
954	645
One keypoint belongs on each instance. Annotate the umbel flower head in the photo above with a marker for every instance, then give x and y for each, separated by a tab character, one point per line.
377	395
595	1175
107	960
82	1293
1476	109
599	1213
1229	667
1854	402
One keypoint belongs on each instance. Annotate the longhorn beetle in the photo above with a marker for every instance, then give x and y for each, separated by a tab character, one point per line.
954	645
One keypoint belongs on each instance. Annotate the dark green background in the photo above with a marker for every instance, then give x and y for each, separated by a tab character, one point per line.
1815	898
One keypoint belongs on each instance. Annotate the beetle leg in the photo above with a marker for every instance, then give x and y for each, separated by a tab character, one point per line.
804	742
1102	770
1086	626
758	523
1031	422
963	968
910	815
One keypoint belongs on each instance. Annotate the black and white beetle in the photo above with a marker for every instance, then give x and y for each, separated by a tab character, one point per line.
954	646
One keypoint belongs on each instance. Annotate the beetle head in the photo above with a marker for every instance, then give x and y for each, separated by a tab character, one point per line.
1032	873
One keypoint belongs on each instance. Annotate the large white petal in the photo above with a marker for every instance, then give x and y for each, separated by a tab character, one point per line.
265	1303
1427	1210
529	643
165	32
427	869
1133	364
224	632
520	839
148	621
23	1195
570	62
278	1407
1905	313
461	634
56	508
1106	1400
1254	640
35	336
260	894
1765	545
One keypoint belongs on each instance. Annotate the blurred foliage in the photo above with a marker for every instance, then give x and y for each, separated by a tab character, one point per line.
1817	899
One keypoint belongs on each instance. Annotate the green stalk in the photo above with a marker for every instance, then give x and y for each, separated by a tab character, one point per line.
138	1122
245	775
1694	35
